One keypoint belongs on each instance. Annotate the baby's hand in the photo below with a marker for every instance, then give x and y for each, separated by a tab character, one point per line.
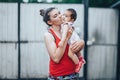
69	33
65	31
65	28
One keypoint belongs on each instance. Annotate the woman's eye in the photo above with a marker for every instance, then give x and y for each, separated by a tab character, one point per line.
55	15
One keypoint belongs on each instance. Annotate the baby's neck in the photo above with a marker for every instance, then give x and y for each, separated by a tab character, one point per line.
69	23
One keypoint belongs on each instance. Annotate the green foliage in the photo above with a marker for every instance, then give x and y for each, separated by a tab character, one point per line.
101	3
67	1
9	0
92	3
74	1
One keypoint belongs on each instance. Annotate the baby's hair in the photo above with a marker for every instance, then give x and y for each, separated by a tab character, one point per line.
45	14
74	14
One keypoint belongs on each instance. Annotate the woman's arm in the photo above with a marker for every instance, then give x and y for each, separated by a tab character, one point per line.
54	52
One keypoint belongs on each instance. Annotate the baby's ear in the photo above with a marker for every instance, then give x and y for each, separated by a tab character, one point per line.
73	20
73	28
49	22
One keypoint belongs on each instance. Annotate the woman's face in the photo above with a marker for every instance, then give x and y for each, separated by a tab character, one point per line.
55	17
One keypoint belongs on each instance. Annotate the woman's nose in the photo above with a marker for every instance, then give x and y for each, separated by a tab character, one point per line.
60	15
63	16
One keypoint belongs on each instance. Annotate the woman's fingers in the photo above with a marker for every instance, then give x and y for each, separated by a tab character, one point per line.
75	46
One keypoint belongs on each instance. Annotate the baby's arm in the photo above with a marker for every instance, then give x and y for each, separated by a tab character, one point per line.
64	34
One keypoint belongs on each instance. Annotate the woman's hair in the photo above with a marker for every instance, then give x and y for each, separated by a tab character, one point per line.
45	14
74	14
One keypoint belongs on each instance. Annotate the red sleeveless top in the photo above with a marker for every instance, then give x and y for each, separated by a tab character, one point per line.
65	66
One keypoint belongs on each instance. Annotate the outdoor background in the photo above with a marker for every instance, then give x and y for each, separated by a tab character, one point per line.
23	54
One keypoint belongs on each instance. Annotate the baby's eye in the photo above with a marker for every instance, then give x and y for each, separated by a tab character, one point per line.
66	16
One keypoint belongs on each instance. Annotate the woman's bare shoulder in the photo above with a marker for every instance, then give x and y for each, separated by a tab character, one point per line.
48	35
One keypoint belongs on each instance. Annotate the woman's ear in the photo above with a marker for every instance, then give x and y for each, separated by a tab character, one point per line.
49	22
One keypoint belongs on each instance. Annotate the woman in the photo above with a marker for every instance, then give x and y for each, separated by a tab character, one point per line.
61	66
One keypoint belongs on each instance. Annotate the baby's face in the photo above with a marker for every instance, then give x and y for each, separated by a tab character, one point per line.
67	16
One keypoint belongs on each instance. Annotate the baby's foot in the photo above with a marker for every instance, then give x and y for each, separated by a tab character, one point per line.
78	66
82	59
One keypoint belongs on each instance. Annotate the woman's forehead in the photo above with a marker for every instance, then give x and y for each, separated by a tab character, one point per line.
54	11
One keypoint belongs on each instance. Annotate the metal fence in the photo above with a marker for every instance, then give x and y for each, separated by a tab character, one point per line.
102	54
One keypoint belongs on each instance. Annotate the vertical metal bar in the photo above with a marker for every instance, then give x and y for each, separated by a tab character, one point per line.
19	69
118	52
85	35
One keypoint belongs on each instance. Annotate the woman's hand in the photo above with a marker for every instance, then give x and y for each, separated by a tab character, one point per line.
77	46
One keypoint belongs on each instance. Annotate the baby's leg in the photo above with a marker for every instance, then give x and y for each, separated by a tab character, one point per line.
73	56
75	59
78	54
81	58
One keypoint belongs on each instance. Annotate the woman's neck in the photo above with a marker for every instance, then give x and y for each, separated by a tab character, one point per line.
56	28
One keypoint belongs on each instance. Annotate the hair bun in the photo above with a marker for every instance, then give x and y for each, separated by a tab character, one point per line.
42	12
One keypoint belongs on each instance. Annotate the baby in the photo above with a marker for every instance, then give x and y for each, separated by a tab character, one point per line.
69	17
